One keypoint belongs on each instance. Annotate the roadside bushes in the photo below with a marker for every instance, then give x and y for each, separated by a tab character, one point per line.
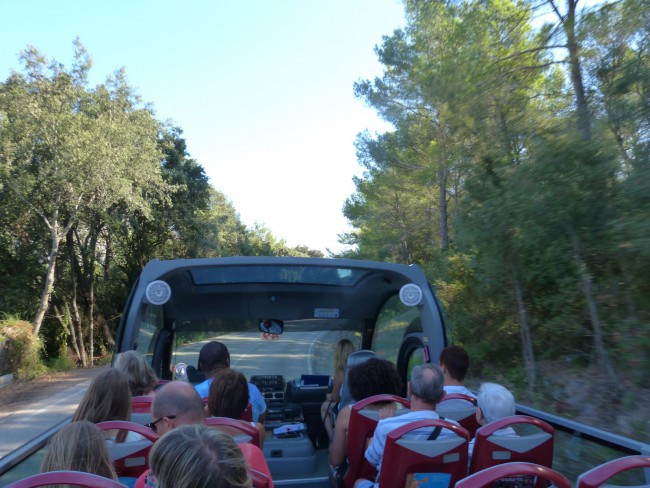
20	349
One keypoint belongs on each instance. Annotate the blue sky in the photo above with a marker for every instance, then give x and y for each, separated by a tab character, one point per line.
262	89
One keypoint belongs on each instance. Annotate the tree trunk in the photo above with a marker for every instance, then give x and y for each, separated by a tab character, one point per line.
67	325
586	281
584	119
49	279
526	338
443	175
91	321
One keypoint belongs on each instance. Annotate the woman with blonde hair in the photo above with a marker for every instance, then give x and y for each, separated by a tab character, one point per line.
329	408
142	379
197	456
107	398
79	446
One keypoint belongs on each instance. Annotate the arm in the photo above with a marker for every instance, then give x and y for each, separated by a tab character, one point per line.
335	396
376	447
338	447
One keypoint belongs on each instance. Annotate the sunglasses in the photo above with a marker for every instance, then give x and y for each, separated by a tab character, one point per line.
152	425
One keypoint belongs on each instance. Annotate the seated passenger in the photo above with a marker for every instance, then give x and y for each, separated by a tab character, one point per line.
107	398
196	456
495	402
176	404
372	377
142	379
329	408
214	356
454	362
79	446
228	397
425	390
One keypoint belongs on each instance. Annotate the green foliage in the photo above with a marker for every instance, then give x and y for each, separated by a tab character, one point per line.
525	200
21	349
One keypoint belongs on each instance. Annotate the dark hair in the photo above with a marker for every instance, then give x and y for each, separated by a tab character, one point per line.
228	396
373	377
213	355
456	360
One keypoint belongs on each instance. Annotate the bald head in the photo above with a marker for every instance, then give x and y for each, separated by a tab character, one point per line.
180	399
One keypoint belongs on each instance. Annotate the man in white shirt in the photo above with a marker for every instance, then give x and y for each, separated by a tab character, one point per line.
454	362
425	390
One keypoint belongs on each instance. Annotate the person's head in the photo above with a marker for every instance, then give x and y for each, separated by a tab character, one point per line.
343	349
107	398
427	382
454	362
213	355
228	396
197	456
176	403
373	377
79	446
142	379
494	402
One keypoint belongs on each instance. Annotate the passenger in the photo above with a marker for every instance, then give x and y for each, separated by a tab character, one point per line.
214	356
176	404
196	456
142	379
495	402
79	446
372	377
107	398
329	408
454	362
425	390
228	397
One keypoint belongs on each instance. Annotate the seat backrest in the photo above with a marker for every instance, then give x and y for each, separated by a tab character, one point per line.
491	449
544	475
363	421
130	458
357	357
249	433
462	409
73	478
415	461
141	409
597	476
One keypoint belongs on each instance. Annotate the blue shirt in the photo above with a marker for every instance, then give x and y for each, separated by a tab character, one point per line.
254	397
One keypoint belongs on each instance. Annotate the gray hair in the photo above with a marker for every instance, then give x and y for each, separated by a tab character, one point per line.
197	456
427	382
495	401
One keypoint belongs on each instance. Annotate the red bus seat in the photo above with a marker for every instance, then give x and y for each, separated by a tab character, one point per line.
362	425
130	459
249	432
141	409
260	480
543	475
597	476
412	462
491	450
465	415
72	478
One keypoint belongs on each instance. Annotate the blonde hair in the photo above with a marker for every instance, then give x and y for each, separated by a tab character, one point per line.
107	398
142	379
197	456
343	349
79	446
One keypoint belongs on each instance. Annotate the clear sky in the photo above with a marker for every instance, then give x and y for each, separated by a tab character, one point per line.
261	88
